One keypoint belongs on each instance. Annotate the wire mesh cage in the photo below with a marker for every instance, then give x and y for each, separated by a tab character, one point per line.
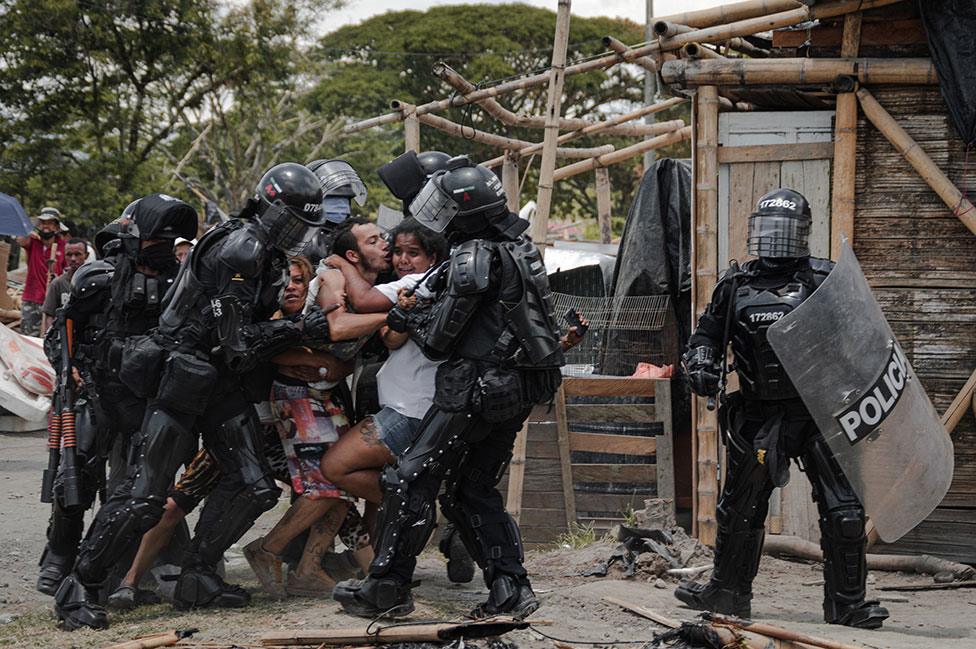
623	332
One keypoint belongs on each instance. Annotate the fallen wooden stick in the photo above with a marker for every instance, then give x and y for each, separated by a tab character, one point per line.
948	586
393	634
922	564
777	632
644	612
164	639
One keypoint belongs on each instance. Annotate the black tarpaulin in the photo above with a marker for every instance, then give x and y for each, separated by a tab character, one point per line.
950	26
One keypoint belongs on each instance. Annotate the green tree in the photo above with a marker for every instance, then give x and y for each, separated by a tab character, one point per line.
390	56
93	93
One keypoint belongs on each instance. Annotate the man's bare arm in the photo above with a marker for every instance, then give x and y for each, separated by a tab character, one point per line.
342	324
363	296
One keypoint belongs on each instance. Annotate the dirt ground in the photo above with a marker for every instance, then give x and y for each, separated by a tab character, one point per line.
784	592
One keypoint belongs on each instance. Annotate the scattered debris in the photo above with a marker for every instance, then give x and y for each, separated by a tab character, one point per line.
652	553
394	633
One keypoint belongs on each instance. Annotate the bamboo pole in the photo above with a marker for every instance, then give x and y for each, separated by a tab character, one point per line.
603	127
502	142
603	204
623	154
510	180
557	75
778	633
670	30
959	405
499	112
705	264
794	71
919	160
731	12
845	148
626	54
699	51
411	127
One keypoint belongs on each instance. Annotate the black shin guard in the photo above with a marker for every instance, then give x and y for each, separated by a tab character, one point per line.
843	542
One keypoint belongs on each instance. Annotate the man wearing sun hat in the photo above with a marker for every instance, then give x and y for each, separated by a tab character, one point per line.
45	259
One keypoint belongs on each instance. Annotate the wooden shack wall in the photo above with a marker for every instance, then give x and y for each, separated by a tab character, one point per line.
921	263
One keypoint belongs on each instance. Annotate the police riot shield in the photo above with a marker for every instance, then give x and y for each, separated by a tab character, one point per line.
867	401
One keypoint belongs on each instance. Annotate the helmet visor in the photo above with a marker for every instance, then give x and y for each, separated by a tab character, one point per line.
338	178
433	208
286	232
778	236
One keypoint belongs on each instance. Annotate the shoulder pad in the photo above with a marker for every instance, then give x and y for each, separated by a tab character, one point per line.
243	252
91	278
470	267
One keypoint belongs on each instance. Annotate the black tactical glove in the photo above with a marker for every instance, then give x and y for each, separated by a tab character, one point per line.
396	320
704	371
315	326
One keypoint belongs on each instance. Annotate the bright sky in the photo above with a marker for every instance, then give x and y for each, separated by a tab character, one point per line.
359	10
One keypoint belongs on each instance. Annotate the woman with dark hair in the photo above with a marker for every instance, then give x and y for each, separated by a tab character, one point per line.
309	420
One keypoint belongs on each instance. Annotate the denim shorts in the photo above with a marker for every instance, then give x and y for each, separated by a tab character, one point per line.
397	431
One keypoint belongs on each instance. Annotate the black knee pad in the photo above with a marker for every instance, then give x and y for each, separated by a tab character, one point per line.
846	525
146	512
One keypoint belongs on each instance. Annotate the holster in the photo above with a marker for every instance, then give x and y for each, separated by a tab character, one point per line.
141	365
187	383
454	385
499	394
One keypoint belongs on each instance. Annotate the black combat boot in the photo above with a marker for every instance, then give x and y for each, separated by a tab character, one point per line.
508	595
729	591
374	597
201	587
75	606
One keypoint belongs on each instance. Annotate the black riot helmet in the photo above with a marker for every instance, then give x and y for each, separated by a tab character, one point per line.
107	242
156	216
780	226
406	174
91	278
289	206
465	197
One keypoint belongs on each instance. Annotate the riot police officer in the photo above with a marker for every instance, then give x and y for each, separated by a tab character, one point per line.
202	370
765	423
492	321
341	185
111	300
406	174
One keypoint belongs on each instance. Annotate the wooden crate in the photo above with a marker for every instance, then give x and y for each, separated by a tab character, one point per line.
562	482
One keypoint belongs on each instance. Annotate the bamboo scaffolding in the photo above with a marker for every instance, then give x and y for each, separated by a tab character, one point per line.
608	159
502	142
670	30
604	127
557	75
731	12
626	54
704	277
797	71
717	34
920	161
492	107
